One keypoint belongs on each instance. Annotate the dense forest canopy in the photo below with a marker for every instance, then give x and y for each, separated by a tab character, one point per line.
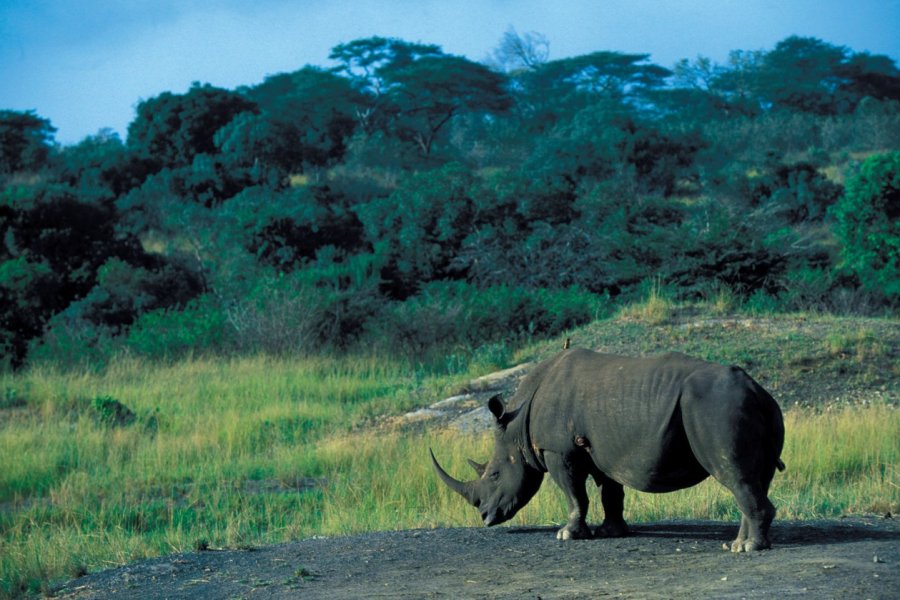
410	200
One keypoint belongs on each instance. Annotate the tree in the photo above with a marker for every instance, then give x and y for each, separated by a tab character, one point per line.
867	224
91	167
287	229
362	62
53	246
803	74
174	128
738	82
610	74
304	121
418	229
425	94
25	141
870	76
412	91
697	93
563	87
515	52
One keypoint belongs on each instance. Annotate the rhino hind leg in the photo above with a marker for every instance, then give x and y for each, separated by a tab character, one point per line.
612	496
743	457
570	478
757	516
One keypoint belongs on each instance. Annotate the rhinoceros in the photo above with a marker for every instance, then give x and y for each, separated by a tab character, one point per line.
654	424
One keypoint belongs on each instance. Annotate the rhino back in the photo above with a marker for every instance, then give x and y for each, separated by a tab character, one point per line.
631	412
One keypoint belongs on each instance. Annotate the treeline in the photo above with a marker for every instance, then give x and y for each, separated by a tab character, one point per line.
411	200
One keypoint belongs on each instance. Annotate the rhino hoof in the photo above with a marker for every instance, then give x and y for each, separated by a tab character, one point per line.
582	532
748	545
612	529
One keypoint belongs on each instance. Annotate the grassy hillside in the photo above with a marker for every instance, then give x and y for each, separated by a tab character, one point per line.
802	359
141	459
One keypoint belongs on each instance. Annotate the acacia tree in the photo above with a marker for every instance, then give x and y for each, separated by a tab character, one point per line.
425	94
362	61
25	141
558	88
413	90
802	74
874	76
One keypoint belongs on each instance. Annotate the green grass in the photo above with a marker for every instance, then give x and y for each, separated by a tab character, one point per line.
250	451
222	450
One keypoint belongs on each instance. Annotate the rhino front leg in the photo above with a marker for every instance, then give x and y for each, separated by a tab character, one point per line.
571	479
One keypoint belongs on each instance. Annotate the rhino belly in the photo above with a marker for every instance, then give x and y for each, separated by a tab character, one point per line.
664	466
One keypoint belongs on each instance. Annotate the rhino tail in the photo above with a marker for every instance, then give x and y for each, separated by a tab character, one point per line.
780	464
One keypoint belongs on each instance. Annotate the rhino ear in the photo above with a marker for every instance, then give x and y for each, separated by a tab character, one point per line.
495	405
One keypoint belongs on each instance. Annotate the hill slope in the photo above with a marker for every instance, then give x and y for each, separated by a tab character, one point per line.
801	359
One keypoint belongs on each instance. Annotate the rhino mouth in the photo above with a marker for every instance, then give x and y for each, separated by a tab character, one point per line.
497	515
491	519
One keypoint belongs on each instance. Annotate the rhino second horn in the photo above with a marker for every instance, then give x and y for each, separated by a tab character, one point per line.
479	467
464	489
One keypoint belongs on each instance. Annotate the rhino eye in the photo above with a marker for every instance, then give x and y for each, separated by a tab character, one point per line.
494	476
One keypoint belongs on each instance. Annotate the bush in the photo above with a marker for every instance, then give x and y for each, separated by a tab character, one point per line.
761	303
111	412
199	327
867	224
446	315
790	193
70	341
807	288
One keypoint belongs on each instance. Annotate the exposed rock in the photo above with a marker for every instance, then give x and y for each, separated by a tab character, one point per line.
467	411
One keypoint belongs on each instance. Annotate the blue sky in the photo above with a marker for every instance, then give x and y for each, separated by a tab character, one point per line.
85	64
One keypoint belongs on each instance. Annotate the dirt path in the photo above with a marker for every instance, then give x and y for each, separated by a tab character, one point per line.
847	558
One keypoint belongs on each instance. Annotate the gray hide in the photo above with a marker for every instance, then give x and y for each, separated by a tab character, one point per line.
653	424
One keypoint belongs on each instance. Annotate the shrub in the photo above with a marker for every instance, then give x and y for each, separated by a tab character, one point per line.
70	341
111	412
656	308
867	224
761	303
198	327
807	288
453	314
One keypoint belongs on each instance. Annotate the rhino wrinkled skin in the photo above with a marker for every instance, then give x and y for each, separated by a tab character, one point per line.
653	424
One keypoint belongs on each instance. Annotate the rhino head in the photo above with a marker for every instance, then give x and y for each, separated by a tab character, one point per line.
509	480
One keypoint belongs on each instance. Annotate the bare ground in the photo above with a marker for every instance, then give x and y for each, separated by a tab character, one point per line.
847	558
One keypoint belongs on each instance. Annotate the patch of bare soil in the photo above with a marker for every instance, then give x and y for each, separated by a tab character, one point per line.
847	558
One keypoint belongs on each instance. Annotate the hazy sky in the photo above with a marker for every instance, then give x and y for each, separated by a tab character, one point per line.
85	64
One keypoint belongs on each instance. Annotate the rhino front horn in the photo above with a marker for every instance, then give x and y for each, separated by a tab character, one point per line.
464	489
